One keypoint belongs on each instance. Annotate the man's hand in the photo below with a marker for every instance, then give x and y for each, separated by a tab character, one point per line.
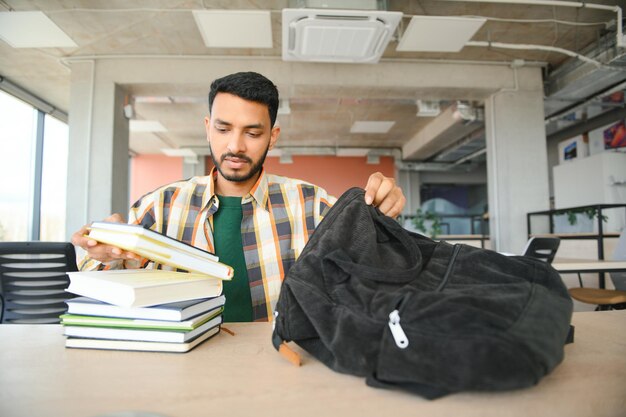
100	251
382	192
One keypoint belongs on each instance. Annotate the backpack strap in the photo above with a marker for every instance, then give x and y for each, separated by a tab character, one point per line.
570	334
281	346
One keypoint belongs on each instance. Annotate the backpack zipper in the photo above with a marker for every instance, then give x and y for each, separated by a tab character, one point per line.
394	317
396	330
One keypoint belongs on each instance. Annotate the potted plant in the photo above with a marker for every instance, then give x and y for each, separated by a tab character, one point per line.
428	223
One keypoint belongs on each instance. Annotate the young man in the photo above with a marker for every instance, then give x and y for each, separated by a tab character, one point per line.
256	222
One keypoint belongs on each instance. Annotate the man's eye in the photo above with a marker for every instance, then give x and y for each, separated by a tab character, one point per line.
254	134
220	129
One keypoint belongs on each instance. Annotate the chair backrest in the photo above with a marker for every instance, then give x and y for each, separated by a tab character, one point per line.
543	248
619	254
33	280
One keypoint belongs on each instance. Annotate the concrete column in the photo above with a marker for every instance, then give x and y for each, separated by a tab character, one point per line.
410	183
194	168
98	147
517	162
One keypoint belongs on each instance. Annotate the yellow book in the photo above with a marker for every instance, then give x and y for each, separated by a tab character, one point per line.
159	248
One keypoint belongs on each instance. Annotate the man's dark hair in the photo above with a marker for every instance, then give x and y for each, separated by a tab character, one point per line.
250	86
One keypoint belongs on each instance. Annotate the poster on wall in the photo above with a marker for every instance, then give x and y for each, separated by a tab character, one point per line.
574	148
615	136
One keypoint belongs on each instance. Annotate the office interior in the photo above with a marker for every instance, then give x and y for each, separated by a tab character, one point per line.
483	111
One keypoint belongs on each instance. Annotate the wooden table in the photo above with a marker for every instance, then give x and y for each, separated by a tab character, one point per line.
565	265
242	375
582	266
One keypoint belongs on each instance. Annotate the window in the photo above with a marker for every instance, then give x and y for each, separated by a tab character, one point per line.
17	133
54	179
32	197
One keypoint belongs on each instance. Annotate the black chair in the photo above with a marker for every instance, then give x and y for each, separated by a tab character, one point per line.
543	248
33	280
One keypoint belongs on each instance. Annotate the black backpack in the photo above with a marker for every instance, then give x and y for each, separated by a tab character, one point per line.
369	298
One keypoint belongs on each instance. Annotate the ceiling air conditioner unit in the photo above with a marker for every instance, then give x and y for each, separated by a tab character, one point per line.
323	35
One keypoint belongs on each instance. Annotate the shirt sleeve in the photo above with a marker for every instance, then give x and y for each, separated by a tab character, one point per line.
323	203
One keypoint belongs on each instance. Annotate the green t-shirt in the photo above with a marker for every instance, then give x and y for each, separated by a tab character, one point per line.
228	247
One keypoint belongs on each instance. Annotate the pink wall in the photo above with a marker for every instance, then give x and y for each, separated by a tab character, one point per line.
148	172
334	174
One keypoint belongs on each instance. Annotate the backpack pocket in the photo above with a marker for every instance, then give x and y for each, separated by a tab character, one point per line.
450	346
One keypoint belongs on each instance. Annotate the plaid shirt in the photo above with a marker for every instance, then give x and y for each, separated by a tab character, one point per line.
279	215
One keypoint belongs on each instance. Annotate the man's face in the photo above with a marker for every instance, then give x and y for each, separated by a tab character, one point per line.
239	135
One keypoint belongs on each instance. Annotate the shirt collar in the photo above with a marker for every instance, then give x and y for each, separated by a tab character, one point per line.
259	191
209	199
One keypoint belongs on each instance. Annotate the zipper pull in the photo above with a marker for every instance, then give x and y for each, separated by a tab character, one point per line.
396	330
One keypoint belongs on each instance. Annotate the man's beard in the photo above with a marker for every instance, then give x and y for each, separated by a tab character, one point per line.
254	169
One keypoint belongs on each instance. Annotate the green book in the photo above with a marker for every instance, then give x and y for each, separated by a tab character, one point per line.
95	321
141	334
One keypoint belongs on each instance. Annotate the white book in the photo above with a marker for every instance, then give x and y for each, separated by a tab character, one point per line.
141	335
143	287
79	343
177	311
159	248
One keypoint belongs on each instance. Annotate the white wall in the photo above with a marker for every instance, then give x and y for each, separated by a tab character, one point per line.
593	180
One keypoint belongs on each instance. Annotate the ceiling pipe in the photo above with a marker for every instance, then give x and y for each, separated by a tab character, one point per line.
537	48
621	42
596	99
591	124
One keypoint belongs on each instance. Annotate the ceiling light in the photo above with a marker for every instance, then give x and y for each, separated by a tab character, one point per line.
371	127
352	151
153	99
32	30
373	159
188	99
146	126
184	152
439	33
427	108
235	28
466	113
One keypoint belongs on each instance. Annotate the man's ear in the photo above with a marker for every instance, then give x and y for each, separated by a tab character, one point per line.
274	135
207	126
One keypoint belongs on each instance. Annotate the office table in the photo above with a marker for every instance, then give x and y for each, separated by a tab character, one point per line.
242	375
582	266
565	265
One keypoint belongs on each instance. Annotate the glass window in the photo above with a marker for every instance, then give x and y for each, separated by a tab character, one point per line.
17	130
53	181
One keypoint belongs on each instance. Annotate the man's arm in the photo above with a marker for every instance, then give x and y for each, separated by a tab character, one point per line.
382	192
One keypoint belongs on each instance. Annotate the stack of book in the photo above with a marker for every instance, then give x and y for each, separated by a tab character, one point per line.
146	309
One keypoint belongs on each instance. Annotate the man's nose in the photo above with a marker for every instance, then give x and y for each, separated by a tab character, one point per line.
237	144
